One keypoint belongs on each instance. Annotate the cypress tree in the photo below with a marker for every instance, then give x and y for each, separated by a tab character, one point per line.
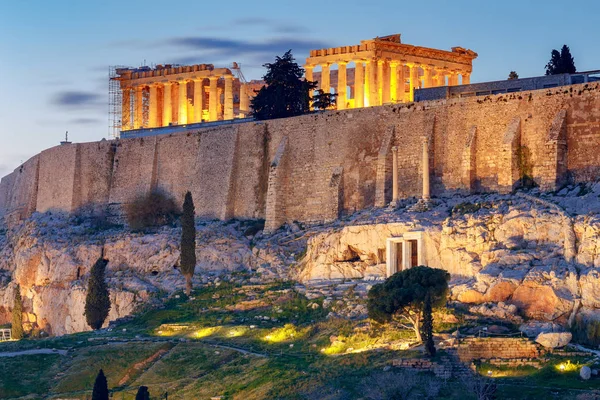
188	242
17	315
97	300
100	391
427	327
143	393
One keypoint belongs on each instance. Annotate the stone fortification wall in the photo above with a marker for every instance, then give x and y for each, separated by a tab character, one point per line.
314	167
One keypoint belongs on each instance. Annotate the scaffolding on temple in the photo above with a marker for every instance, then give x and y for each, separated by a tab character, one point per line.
115	102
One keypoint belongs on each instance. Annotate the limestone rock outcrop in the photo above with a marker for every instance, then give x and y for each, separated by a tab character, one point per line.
553	340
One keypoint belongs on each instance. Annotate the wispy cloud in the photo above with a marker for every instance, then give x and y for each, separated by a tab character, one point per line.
254	51
75	99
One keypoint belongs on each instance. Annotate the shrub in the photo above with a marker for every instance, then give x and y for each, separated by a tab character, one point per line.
17	315
142	393
97	301
100	391
586	332
188	242
150	210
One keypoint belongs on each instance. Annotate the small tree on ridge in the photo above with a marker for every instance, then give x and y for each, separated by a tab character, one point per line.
17	315
188	242
401	297
513	75
97	300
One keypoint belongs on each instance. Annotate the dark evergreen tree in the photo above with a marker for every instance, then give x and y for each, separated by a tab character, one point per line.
100	391
513	75
97	300
324	101
561	62
400	298
286	92
17	315
188	242
427	327
143	393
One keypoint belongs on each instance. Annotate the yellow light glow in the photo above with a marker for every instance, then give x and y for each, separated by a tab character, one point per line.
237	331
205	332
334	348
285	333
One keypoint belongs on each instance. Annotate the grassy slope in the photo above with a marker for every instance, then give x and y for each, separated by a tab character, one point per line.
306	355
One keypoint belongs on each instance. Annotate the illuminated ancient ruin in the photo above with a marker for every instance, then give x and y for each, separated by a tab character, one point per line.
179	95
386	70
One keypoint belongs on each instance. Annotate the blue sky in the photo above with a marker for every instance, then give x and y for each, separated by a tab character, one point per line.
54	55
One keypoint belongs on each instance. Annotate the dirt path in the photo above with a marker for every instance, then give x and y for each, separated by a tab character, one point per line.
33	352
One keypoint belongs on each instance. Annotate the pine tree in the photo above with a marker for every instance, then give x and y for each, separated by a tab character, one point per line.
286	92
100	391
97	300
188	242
561	62
427	327
17	315
143	393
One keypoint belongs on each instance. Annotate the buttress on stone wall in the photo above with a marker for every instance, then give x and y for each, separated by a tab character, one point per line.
315	167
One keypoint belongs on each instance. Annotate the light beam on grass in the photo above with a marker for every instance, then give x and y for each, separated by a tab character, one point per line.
205	332
286	333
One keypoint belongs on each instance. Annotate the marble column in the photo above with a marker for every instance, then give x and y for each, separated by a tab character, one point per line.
426	189
414	76
441	77
244	99
325	84
342	98
428	70
371	86
466	78
228	97
380	81
401	83
308	75
453	79
393	92
359	84
183	104
167	105
153	107
213	101
198	99
394	175
138	118
126	110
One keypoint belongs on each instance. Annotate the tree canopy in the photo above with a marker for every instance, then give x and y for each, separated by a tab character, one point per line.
402	296
324	101
513	75
97	300
286	92
188	242
561	62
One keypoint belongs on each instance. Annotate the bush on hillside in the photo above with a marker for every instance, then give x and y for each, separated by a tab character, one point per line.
17	315
150	210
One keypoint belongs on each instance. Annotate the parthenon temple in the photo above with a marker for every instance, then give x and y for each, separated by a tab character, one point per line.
385	70
178	95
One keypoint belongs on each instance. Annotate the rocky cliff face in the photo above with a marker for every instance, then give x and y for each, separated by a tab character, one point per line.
538	253
534	252
50	257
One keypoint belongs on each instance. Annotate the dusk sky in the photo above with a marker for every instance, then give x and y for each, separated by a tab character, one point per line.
55	55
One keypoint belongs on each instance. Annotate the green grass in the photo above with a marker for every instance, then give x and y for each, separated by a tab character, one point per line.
32	374
307	354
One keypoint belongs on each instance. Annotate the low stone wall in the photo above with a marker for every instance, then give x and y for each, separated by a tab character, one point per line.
517	362
441	370
470	349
